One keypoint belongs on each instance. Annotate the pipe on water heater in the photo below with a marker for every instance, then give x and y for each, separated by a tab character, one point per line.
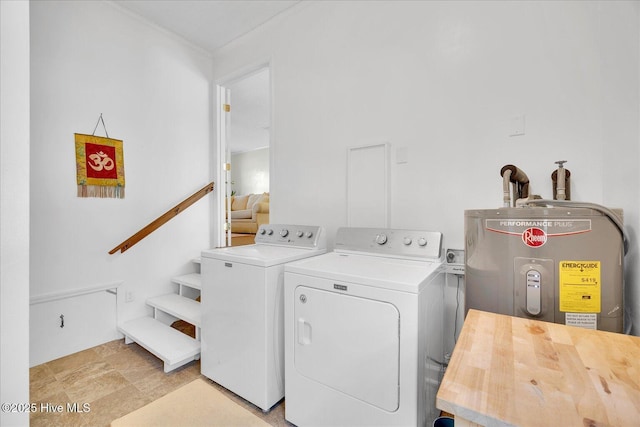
520	181
561	182
506	190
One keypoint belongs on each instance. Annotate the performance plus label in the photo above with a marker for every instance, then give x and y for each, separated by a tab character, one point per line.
534	233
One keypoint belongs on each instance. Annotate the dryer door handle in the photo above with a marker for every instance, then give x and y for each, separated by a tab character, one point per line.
304	332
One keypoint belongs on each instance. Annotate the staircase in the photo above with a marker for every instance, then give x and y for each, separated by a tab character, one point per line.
173	347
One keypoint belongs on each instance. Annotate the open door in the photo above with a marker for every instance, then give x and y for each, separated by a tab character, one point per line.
242	128
224	175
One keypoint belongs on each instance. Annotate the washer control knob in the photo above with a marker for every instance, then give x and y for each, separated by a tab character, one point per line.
299	233
309	234
407	241
262	231
422	241
269	232
284	232
381	239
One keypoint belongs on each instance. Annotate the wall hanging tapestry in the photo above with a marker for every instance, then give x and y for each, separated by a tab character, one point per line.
100	165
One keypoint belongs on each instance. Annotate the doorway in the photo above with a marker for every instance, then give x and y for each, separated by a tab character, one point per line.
243	145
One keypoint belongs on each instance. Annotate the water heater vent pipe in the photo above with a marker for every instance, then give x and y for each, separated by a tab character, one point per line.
520	180
506	190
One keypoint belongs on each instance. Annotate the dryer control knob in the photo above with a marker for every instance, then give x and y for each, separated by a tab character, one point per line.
309	234
284	232
407	241
299	233
422	241
381	239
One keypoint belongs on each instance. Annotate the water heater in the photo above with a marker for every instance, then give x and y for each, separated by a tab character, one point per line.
559	262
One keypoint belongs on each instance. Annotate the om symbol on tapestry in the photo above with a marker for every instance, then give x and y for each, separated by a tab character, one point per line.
101	161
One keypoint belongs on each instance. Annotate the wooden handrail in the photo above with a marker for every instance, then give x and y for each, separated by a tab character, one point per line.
144	232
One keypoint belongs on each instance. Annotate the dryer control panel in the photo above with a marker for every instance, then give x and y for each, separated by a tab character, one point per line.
302	236
390	242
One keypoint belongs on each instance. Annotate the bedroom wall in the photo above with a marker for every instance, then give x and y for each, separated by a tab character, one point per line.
14	209
153	90
250	171
445	83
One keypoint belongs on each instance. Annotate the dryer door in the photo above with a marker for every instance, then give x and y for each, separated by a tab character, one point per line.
348	343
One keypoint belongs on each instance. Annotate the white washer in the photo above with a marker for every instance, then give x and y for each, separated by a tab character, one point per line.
242	343
363	330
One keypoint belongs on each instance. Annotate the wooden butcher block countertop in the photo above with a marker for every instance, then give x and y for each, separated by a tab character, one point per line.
509	371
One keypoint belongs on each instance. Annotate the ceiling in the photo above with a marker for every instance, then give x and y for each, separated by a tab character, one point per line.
209	25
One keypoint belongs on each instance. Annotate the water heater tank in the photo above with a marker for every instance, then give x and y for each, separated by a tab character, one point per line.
556	264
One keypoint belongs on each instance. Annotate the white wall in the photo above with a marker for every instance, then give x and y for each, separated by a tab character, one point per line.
443	80
153	90
250	172
14	209
619	73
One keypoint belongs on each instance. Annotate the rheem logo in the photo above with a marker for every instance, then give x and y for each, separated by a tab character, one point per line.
534	237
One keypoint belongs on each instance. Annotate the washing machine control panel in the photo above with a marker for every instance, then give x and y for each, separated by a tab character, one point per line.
390	242
305	236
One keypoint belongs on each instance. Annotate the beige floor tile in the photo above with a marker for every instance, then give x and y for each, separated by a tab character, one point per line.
43	388
72	361
114	379
65	419
55	411
133	364
158	383
117	404
84	373
40	372
96	387
109	348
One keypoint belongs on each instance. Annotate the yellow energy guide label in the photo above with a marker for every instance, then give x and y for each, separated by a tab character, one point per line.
580	287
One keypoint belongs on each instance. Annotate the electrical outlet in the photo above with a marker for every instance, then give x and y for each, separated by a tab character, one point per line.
455	262
455	256
128	296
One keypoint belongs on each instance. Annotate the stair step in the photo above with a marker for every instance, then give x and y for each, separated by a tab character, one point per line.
183	308
171	346
192	280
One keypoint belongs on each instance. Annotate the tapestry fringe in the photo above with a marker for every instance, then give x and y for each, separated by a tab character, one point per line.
101	191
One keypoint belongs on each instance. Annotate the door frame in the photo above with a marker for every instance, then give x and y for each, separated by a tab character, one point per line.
220	236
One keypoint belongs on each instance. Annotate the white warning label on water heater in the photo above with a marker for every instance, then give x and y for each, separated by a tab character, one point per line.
579	283
582	320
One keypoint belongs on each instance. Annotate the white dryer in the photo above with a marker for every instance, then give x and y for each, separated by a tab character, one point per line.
242	342
363	330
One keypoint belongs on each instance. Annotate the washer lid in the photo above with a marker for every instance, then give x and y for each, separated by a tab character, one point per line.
369	270
260	254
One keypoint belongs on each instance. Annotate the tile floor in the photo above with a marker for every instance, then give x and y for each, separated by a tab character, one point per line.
109	381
